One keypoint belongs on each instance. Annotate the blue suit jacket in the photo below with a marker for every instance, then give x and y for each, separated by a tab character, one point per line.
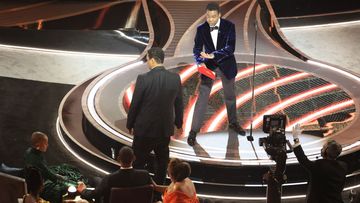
224	52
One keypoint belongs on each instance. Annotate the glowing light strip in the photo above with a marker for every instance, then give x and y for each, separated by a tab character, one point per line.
314	115
56	51
321	25
354	77
130	38
351	187
356	144
129	94
188	72
91	100
58	130
288	102
247	198
215	121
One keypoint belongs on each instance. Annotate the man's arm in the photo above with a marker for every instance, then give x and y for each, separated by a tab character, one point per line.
135	103
48	174
179	106
198	47
229	48
301	157
97	193
40	163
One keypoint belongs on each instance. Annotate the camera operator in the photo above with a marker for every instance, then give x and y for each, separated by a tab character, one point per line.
327	175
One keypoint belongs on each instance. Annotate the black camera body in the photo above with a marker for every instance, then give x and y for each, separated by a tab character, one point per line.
276	142
274	123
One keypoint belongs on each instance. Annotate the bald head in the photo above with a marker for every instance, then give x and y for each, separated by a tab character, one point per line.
39	141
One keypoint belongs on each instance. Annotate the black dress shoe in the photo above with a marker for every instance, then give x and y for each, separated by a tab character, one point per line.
191	138
237	128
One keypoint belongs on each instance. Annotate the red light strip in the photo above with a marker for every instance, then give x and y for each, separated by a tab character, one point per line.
219	117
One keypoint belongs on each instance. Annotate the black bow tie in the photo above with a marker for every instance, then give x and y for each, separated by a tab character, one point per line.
214	28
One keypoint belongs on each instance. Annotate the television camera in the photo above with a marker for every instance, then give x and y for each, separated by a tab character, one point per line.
275	146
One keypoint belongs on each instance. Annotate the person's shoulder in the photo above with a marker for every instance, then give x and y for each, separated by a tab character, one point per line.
141	171
28	151
142	75
176	77
226	22
343	164
202	25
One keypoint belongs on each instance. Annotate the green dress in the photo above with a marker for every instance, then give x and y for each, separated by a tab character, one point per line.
54	186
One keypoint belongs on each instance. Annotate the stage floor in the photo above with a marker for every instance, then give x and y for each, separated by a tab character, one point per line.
325	110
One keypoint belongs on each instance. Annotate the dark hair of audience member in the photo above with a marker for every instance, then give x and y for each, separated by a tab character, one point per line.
178	170
157	54
333	149
126	156
34	181
213	7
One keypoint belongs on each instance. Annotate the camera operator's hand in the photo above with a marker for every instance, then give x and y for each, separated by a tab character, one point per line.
296	131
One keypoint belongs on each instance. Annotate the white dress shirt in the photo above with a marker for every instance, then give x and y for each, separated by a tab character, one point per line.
214	34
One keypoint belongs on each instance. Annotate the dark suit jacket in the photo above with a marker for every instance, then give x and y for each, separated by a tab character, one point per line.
327	178
157	96
224	53
120	178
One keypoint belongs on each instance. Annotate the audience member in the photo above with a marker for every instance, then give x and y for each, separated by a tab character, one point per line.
55	185
327	175
35	185
155	108
181	189
126	176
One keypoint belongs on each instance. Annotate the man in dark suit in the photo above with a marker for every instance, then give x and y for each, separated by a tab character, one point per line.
217	37
327	175
157	96
126	176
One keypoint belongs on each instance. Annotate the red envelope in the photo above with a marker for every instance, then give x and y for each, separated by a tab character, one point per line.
207	72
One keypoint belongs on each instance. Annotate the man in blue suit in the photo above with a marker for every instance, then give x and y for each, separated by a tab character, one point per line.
214	47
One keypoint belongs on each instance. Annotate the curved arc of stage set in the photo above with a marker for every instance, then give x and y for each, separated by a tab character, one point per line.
185	149
98	87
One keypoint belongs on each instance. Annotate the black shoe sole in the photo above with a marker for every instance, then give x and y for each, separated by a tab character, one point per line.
191	141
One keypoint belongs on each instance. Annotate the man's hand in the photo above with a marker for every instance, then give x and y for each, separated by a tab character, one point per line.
81	187
207	56
296	131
